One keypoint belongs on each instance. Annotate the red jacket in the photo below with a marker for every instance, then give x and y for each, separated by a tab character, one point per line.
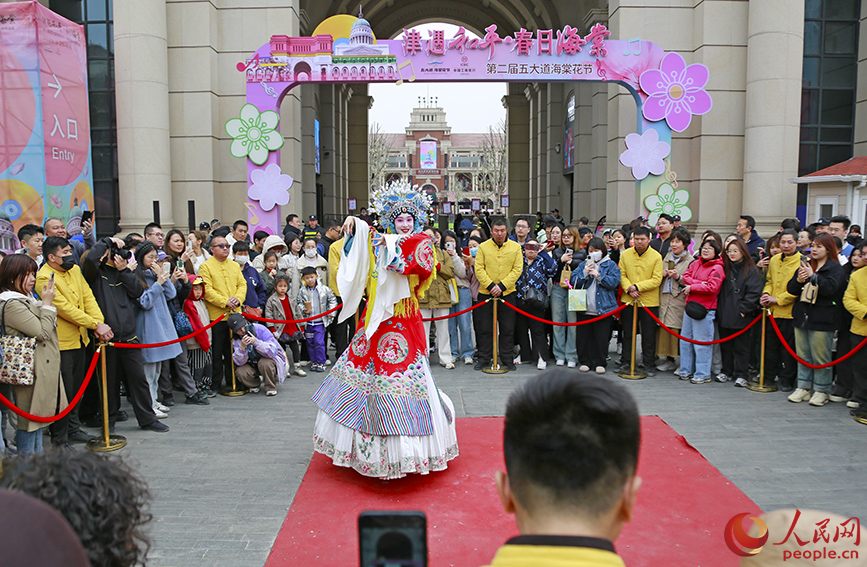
705	279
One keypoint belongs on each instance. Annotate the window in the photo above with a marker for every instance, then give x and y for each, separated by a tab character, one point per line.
826	207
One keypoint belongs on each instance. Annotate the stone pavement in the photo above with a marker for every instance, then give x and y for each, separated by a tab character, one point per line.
224	478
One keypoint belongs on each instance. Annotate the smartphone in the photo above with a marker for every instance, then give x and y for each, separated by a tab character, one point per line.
671	264
397	538
86	216
466	251
51	277
450	245
180	264
167	267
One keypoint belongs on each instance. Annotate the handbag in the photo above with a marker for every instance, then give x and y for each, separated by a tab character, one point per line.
696	310
565	276
17	356
182	324
810	292
536	298
577	300
453	291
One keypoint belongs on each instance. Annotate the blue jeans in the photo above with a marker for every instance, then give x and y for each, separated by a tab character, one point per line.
28	442
564	337
464	323
696	359
815	348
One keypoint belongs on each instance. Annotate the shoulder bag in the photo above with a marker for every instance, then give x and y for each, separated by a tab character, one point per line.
16	356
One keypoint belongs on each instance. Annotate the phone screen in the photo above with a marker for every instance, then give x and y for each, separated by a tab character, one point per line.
167	267
392	538
86	216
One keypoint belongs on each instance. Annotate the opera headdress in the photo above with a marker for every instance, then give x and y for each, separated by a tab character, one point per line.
400	197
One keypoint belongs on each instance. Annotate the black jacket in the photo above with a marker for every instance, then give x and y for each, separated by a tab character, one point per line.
116	292
739	296
822	315
577	258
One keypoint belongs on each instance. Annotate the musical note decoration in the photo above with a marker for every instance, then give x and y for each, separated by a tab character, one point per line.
629	45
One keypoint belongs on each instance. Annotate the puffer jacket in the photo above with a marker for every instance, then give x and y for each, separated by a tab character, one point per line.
705	279
271	243
739	297
438	295
822	315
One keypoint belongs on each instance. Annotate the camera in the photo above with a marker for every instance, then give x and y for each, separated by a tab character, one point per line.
115	251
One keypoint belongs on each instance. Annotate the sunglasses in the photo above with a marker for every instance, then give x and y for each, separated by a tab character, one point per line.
219	245
532	247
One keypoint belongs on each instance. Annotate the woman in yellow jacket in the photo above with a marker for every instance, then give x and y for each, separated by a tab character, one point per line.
437	299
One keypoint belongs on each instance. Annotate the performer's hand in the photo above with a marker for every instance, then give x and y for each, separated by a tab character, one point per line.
348	228
377	239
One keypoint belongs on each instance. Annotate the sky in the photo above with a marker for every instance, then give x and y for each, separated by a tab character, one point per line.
469	107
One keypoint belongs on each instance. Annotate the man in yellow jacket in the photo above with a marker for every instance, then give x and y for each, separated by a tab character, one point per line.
640	278
778	361
225	291
499	263
343	332
855	302
77	312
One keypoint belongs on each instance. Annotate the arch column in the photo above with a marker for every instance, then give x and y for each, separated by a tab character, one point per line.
359	176
141	82
518	149
772	124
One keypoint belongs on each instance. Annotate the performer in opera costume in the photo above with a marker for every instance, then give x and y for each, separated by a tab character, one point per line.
380	410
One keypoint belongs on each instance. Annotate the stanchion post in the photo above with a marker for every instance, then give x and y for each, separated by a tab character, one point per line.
761	387
233	391
108	442
496	367
633	375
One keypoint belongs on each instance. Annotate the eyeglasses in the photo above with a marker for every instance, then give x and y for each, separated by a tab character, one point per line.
219	245
703	248
160	234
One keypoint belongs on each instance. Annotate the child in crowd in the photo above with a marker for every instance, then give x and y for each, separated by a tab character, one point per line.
279	306
314	298
199	347
271	273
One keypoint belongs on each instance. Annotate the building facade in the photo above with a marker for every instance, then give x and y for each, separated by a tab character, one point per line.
165	78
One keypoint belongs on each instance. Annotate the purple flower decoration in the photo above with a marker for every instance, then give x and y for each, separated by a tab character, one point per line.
645	154
675	92
270	187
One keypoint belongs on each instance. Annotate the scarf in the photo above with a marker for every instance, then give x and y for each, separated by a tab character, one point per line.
193	314
668	283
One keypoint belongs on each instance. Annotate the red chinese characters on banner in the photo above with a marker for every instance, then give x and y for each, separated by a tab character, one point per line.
849	529
567	40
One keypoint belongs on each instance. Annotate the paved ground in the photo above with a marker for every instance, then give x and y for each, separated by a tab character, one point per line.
224	477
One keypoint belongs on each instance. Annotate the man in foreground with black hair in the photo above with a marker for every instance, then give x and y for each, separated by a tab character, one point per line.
571	493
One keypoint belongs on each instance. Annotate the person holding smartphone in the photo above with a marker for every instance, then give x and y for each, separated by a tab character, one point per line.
460	327
672	300
568	258
775	296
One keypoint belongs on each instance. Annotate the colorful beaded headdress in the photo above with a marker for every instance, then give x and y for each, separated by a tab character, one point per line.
400	197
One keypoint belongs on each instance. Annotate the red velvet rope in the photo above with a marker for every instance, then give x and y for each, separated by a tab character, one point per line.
804	362
575	324
287	321
456	313
704	343
171	342
68	408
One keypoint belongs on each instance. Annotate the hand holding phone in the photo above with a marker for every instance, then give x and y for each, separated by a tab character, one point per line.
392	538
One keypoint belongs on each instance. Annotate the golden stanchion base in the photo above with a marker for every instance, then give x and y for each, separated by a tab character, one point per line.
860	419
229	391
115	442
755	387
639	374
498	369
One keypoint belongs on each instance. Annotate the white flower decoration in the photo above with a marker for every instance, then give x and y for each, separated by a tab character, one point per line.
645	154
254	134
270	187
668	200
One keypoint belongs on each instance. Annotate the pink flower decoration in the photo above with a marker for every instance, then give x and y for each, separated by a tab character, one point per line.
270	187
675	92
645	154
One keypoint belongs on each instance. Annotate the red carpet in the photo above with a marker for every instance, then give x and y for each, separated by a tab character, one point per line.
683	506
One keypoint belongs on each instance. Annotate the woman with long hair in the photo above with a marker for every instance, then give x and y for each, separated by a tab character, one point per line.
176	248
618	244
197	239
437	300
738	305
703	280
26	317
460	327
566	256
815	318
600	276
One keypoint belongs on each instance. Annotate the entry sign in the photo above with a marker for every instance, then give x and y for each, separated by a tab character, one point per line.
504	201
477	204
45	155
353	204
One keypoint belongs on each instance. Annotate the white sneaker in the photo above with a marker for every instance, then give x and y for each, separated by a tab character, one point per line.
600	370
741	383
299	371
799	395
159	414
162	408
722	377
571	364
327	361
304	362
561	362
450	365
541	365
583	368
517	360
468	360
853	404
271	393
819	399
254	390
667	366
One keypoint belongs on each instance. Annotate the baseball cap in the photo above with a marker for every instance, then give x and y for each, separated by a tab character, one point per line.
204	226
236	322
676	217
824	221
312	217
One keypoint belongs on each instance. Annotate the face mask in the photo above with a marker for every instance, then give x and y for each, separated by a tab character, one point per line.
310	253
242	259
68	262
596	255
473	252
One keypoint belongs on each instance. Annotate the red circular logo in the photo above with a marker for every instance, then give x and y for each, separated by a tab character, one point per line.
739	541
464	59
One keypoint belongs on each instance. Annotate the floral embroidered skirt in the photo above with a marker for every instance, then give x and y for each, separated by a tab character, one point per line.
392	456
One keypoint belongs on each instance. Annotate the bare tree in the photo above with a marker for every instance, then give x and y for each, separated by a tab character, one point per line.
492	174
377	156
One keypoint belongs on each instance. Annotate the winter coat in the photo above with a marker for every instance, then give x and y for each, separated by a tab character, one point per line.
270	280
438	295
606	283
154	322
557	254
780	271
705	279
855	300
256	295
536	275
274	310
327	300
671	305
272	242
24	317
644	271
822	315
321	265
739	297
